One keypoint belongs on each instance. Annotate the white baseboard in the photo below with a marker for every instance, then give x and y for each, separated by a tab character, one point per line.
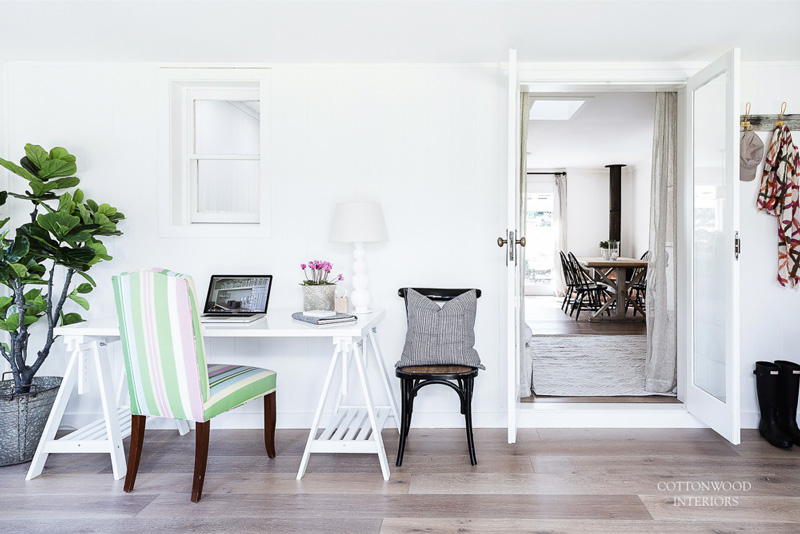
530	416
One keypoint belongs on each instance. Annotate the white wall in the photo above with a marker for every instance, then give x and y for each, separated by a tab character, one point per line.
428	142
587	210
769	313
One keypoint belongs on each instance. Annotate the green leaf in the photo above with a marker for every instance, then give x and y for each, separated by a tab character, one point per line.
84	288
79	234
62	183
65	203
19	171
82	302
5	302
19	269
77	196
61	153
105	223
53	168
3	197
33	294
28	319
70	318
11	324
107	210
86	216
38	187
36	154
58	223
88	278
19	248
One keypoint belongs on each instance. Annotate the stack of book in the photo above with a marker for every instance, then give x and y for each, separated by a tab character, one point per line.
334	318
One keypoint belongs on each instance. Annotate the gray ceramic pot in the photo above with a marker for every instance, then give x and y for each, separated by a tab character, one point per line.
22	418
319	297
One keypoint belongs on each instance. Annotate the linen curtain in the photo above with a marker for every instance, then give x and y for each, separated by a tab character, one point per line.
661	363
559	229
525	363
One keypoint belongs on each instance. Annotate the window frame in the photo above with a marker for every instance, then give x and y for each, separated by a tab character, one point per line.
178	214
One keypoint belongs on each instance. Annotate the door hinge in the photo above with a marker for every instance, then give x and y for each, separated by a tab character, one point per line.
737	245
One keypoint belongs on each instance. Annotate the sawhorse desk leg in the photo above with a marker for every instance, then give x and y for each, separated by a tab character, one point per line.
352	429
101	436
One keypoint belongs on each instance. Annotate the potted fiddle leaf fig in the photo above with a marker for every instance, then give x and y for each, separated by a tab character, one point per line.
39	261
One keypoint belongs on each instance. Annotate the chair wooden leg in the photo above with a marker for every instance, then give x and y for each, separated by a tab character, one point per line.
470	382
269	424
405	419
200	459
135	453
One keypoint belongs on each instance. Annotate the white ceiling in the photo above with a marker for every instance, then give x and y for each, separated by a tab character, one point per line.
610	128
396	31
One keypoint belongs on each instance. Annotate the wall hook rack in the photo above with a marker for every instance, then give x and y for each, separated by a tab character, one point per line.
767	123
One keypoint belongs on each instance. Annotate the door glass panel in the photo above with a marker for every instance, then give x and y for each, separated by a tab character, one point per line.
711	257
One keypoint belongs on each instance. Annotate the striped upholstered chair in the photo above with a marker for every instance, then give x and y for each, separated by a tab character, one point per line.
166	366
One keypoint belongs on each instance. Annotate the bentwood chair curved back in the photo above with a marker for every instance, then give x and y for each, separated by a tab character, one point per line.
460	378
167	373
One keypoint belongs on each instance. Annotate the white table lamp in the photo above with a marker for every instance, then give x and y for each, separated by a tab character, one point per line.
359	223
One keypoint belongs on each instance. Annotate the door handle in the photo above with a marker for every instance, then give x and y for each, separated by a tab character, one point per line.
503	242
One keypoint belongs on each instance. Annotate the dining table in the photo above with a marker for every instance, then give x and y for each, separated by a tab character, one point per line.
620	286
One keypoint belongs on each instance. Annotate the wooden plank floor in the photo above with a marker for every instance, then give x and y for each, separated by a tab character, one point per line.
558	481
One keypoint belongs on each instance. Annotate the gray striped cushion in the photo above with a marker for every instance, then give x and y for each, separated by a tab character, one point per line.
440	336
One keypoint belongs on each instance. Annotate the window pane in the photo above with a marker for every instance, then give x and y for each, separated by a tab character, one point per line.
541	240
227	186
226	127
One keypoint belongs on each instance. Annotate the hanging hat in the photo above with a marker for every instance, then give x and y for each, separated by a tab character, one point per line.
751	151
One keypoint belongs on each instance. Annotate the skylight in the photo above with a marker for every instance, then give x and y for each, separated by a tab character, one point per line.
556	110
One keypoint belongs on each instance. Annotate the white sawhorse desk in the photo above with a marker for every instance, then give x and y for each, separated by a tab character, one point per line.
352	429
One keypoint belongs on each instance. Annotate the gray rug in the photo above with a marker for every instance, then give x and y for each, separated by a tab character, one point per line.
588	366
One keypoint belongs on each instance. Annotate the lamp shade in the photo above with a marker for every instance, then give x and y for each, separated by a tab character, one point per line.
358	222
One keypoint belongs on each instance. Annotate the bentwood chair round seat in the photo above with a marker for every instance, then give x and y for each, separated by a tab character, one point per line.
437	372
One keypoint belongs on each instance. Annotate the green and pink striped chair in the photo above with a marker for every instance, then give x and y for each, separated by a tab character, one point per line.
165	360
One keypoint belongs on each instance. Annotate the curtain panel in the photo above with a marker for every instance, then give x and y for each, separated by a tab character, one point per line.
661	364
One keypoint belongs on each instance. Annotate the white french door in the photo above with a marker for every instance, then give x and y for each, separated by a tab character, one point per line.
510	242
710	341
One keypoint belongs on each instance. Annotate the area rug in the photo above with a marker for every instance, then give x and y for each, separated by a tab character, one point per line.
580	365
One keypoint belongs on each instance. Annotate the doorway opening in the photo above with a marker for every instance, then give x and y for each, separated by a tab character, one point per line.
586	345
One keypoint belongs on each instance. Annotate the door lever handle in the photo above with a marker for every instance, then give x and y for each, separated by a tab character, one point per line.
502	242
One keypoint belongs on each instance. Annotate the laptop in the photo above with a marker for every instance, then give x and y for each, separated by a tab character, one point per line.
237	298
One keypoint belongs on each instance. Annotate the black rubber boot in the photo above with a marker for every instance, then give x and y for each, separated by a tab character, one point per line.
788	388
767	376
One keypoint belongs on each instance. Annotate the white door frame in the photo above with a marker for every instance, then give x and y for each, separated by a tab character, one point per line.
616	77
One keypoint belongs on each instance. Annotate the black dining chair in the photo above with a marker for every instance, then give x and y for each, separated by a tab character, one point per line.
460	378
589	295
637	292
569	283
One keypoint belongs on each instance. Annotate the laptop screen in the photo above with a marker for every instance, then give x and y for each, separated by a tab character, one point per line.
232	294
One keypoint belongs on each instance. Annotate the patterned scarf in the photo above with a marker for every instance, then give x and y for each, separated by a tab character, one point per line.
779	196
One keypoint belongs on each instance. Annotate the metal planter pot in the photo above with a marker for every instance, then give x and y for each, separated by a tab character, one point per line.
22	418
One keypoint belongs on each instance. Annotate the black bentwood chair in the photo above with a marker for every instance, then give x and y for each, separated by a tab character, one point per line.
460	378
